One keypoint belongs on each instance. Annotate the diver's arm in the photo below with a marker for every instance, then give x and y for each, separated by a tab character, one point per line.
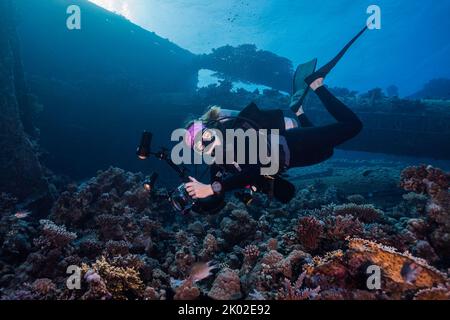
241	179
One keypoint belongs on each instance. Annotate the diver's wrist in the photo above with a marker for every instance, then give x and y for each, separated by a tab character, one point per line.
216	188
210	190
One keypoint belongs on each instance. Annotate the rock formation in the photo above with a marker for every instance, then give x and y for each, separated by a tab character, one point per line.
20	171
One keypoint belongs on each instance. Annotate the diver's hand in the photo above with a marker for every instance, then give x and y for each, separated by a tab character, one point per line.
198	190
300	111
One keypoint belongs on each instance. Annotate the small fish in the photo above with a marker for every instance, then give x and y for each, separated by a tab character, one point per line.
22	214
410	272
201	271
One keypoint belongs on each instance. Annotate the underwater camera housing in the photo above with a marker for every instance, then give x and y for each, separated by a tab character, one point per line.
179	198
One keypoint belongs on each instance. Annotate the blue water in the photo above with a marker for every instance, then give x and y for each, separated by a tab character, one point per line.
412	47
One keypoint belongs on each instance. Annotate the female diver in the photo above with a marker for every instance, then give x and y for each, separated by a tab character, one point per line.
299	146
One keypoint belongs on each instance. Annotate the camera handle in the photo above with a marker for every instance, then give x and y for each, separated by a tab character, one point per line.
180	170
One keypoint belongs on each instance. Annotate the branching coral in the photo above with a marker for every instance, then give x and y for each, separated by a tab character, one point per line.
122	283
295	292
54	236
309	232
365	213
341	227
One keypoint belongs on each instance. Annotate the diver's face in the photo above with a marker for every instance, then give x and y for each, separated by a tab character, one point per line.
208	143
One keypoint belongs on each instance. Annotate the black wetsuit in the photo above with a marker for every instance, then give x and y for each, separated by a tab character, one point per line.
307	145
310	145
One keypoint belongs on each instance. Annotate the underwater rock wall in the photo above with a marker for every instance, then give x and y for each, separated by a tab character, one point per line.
20	171
99	85
247	63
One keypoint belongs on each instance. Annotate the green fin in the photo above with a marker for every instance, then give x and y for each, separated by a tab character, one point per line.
300	88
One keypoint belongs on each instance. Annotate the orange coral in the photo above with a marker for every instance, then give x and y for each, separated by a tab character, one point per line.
394	264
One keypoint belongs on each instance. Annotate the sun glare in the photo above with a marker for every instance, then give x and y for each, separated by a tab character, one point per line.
118	6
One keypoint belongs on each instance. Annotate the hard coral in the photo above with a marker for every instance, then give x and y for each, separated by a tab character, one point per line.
226	286
435	184
121	282
295	291
438	293
210	247
187	291
425	179
251	252
406	271
54	236
365	213
238	227
309	232
341	227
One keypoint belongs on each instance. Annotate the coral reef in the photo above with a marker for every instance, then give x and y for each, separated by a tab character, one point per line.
129	244
434	184
226	286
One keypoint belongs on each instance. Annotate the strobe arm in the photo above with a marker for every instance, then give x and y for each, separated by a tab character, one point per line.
181	171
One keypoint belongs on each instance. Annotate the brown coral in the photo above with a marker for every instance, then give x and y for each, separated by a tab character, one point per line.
309	232
341	227
226	286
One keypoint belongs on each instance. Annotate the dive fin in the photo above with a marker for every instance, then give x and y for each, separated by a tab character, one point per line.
325	70
300	87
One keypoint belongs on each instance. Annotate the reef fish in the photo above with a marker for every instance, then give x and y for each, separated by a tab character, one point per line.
22	214
201	271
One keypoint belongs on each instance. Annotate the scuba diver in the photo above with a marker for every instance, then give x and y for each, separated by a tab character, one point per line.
301	143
